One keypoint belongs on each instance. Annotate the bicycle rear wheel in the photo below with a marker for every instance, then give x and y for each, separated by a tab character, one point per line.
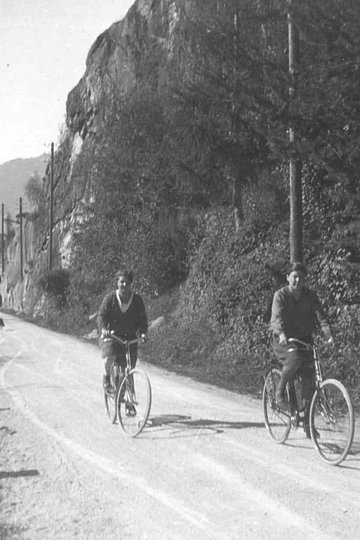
331	421
277	420
110	397
134	402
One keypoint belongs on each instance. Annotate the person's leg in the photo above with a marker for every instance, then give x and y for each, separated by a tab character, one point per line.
109	352
307	373
290	361
308	378
108	361
290	366
133	360
133	354
130	408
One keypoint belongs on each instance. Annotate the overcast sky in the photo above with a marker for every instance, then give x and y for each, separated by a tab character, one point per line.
43	49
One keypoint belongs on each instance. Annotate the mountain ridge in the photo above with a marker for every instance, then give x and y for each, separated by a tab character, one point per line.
14	175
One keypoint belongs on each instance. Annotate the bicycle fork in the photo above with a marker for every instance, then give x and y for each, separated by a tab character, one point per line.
324	409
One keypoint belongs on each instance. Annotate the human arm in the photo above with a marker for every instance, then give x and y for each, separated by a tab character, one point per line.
142	319
321	318
277	316
104	316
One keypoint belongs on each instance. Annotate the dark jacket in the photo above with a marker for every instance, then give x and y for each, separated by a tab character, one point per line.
125	325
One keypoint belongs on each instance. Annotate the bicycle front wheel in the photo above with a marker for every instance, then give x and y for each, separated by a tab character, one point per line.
110	396
277	421
110	408
331	421
134	402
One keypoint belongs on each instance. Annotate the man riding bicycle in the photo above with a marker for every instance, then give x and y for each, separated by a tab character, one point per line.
296	312
122	312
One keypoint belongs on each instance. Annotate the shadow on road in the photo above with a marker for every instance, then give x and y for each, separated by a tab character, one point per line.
4	360
355	448
352	460
10	531
184	426
7	430
17	474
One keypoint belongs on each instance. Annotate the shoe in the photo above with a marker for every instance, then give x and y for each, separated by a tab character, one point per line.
130	409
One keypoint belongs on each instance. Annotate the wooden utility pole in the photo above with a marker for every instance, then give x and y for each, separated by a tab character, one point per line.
2	238
51	218
295	165
21	239
238	174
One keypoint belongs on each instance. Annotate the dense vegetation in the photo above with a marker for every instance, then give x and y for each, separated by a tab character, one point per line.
190	185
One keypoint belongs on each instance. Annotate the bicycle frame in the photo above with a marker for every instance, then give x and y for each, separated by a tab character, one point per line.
328	418
128	367
127	344
315	357
294	415
133	396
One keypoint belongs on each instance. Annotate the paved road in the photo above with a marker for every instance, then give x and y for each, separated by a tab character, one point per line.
204	468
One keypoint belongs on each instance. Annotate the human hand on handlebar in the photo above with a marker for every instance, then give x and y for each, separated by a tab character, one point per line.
282	339
105	332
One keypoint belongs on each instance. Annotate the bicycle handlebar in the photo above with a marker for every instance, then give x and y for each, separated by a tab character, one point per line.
120	340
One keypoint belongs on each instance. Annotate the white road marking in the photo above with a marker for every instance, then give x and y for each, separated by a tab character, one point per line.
196	519
280	512
284	470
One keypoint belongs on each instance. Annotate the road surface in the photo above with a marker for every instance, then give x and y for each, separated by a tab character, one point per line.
204	468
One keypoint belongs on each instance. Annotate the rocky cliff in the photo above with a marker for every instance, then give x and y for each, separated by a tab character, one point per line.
113	67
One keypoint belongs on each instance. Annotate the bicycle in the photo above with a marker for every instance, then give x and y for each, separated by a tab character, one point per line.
330	417
129	402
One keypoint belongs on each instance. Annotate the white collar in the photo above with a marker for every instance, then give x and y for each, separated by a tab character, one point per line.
124	307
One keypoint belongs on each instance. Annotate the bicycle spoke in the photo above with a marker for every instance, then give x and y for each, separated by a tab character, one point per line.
134	402
332	421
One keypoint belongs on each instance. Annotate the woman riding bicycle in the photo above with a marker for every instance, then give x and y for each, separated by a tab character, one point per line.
296	312
122	312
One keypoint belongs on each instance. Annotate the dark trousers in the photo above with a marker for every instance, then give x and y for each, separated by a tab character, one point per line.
295	359
118	355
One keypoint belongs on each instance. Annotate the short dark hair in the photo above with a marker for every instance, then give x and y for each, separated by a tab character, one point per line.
128	274
297	267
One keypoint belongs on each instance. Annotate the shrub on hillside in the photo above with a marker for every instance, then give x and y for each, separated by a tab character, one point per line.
228	294
54	283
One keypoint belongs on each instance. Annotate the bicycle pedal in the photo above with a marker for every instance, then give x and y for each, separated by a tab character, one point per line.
130	410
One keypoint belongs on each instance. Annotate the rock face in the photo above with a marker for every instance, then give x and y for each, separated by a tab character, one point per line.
112	67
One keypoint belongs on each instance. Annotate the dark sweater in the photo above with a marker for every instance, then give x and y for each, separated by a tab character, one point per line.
125	325
297	318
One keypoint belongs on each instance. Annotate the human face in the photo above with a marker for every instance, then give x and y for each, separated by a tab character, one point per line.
296	281
124	287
